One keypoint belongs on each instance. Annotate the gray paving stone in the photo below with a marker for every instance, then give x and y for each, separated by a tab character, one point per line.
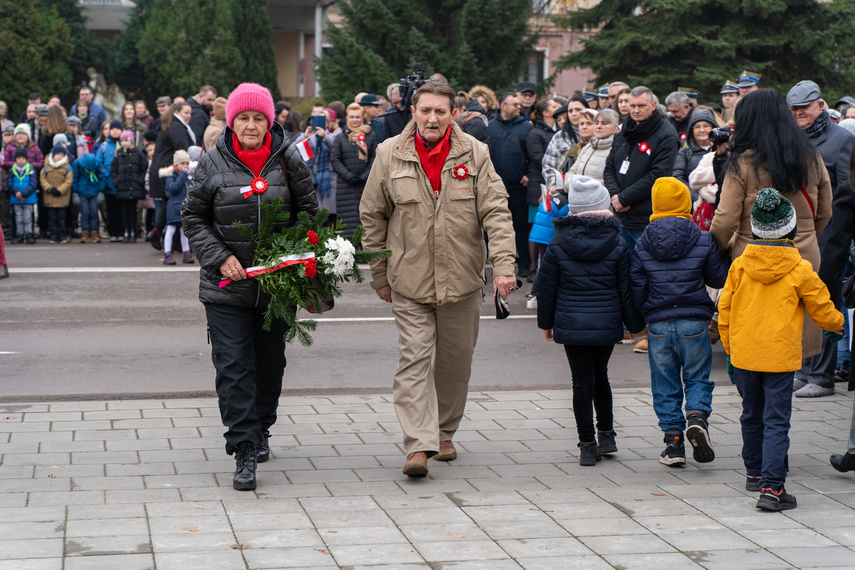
736	559
305	557
352	555
559	563
142	496
124	561
280	538
31	548
444	515
459	550
47	499
33	564
651	561
86	512
626	544
193	542
270	521
107	483
107	545
218	560
32	529
196	524
423	533
106	527
544	547
816	557
506	530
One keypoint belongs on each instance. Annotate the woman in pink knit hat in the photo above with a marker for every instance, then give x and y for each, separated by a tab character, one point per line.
253	162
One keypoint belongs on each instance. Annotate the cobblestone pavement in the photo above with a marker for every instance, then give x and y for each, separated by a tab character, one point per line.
146	484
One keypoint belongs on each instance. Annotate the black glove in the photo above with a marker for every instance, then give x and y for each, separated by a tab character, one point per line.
55	192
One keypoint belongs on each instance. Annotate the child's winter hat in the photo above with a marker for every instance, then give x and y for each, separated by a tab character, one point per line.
60	138
670	198
585	194
194	152
115	124
58	149
772	216
21	152
24	128
127	136
250	97
180	156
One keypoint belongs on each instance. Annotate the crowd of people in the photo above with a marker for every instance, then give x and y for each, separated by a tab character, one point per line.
679	223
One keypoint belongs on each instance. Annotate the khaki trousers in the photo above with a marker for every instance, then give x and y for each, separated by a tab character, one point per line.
436	343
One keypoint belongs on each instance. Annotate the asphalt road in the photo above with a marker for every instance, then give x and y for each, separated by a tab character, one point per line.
110	321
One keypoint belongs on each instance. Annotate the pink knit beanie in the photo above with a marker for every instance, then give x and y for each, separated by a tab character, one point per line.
127	135
249	97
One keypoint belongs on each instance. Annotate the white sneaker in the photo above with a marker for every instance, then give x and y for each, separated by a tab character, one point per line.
531	302
814	391
798	384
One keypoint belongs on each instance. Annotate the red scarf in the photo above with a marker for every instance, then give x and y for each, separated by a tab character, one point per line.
433	160
254	160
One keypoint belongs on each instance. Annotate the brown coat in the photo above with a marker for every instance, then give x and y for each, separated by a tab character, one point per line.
212	133
731	226
438	249
59	178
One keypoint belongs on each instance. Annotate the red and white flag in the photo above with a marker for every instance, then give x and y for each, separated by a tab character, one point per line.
306	149
545	198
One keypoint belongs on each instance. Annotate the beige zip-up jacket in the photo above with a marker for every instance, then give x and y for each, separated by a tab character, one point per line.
438	248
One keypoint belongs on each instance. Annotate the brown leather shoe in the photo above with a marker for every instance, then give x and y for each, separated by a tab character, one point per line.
416	465
446	451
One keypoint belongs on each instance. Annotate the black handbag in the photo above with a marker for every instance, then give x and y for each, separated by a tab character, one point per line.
849	292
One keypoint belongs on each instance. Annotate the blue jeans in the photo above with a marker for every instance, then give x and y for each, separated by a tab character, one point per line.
767	405
631	237
89	214
680	347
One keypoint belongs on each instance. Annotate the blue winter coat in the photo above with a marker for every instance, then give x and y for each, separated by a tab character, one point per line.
542	230
105	155
26	185
89	178
583	283
176	191
671	264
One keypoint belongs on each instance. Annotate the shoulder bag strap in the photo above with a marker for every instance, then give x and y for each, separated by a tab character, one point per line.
515	136
809	201
282	163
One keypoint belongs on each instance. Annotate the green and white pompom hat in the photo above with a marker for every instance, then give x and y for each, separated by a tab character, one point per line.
773	216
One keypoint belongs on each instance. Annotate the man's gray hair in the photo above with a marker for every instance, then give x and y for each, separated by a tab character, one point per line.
677	97
642	90
610	115
621	83
393	87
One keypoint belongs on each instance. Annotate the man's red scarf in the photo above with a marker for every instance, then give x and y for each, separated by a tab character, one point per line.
256	160
433	160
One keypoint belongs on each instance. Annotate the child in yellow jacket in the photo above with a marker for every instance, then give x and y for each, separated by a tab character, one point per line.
761	313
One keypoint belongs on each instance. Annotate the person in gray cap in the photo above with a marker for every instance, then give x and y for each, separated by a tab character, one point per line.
845	101
527	92
834	143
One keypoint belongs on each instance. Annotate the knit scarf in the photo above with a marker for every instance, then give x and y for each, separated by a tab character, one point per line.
58	163
254	160
353	137
819	125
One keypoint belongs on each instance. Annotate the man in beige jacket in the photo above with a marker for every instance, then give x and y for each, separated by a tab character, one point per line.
431	195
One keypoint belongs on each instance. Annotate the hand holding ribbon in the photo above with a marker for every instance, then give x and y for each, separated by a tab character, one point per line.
282	262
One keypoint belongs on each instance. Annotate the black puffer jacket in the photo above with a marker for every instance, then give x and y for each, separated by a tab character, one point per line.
175	137
672	264
537	141
127	173
214	202
351	175
583	283
474	122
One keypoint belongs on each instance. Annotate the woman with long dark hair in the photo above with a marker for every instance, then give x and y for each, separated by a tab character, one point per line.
834	256
771	151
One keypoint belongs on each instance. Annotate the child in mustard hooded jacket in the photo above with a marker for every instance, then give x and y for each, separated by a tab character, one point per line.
761	314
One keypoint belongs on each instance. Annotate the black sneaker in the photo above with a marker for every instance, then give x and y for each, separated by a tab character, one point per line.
675	453
699	436
245	464
262	452
771	500
752	483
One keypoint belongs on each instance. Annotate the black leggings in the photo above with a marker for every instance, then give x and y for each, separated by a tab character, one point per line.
128	209
589	366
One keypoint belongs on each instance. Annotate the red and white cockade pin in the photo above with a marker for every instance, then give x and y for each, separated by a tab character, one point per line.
644	147
460	172
257	186
361	138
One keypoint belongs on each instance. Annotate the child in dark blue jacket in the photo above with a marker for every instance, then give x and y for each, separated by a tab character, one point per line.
672	264
22	182
584	302
176	191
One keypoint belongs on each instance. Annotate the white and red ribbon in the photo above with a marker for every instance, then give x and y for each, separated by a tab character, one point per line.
257	186
284	261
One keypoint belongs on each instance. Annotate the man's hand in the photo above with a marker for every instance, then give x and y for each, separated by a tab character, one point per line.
547	334
385	293
524	181
617	205
504	285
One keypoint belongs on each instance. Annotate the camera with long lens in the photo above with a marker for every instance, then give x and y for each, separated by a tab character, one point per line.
721	135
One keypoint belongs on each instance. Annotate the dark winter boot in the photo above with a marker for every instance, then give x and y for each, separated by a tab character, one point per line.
606	442
187	257
244	467
589	455
675	452
31	239
843	463
698	435
262	452
167	258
